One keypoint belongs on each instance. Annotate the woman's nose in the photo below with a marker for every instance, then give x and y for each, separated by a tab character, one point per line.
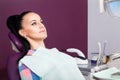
41	25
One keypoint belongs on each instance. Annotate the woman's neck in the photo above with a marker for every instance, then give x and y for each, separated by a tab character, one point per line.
36	45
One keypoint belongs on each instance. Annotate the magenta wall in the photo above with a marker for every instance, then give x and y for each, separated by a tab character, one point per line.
66	22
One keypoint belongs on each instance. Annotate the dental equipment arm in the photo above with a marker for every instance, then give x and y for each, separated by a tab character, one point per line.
81	59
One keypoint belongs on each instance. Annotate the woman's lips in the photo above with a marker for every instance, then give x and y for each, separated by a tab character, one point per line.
42	31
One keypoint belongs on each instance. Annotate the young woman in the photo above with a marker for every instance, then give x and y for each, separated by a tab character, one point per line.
40	63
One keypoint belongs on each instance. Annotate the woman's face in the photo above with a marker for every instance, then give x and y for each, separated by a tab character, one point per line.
32	27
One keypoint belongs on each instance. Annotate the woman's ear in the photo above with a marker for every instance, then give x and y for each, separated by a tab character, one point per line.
22	33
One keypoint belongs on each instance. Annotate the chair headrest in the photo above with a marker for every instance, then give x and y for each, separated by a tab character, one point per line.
15	42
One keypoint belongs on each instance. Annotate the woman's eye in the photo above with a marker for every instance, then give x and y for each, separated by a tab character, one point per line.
34	23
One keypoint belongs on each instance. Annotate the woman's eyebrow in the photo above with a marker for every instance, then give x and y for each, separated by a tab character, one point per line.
32	20
36	20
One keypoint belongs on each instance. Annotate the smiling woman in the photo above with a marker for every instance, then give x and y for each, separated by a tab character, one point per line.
40	63
33	30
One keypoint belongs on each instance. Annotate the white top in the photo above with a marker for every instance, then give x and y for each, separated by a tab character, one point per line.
51	64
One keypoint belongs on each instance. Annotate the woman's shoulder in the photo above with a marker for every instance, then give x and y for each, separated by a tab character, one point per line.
24	69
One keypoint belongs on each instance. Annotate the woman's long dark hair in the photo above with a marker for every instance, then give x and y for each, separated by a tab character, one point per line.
14	25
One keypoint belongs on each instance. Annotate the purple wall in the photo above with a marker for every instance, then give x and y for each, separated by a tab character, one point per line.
66	22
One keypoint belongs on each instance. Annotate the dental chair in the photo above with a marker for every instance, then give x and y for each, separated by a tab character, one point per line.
12	62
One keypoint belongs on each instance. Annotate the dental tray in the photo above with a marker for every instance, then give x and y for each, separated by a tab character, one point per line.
116	75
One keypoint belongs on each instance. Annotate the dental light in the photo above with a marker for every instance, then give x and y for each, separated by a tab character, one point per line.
110	6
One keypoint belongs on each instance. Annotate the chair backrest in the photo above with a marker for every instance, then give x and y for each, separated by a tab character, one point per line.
16	43
12	62
12	66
